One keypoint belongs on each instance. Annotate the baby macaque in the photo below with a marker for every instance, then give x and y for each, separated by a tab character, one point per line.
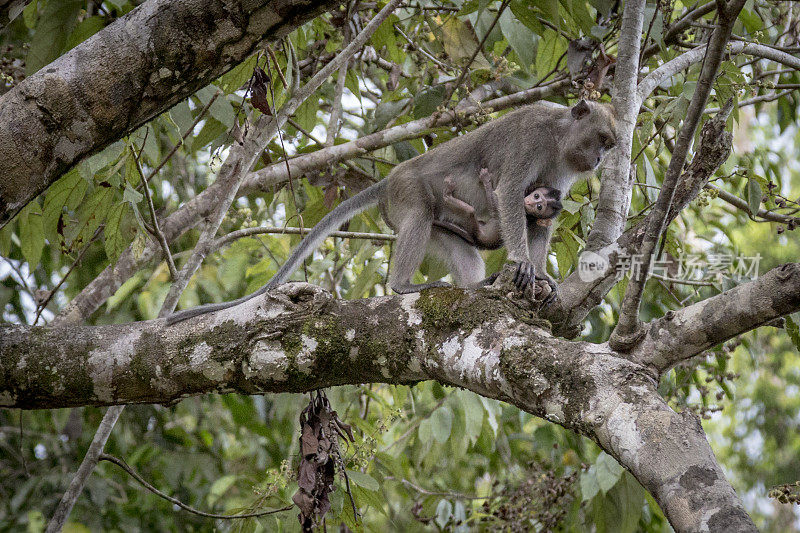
542	204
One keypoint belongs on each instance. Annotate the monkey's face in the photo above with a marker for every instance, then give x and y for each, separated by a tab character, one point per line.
593	135
543	203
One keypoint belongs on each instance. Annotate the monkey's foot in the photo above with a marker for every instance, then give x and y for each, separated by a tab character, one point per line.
408	288
540	289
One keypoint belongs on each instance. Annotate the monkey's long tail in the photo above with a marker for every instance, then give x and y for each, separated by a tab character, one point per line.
329	223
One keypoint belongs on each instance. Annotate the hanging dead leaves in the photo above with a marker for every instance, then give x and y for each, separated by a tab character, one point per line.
320	429
258	91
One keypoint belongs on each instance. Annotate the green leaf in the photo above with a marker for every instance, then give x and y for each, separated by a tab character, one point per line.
58	18
363	480
404	151
443	513
385	36
220	487
30	14
306	114
91	214
369	497
608	471
442	423
84	30
113	239
493	409
238	76
31	233
426	102
5	239
548	52
473	414
520	37
589	485
793	331
754	195
67	193
111	154
424	431
211	130
460	43
366	279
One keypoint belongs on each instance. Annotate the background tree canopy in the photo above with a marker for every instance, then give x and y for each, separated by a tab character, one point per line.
152	171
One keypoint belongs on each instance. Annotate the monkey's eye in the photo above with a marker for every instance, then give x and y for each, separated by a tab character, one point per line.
539	207
536	196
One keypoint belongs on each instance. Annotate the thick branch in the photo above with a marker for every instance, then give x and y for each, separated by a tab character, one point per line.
300	338
123	76
682	334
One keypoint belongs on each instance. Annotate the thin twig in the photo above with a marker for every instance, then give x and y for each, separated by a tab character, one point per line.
173	272
349	164
88	464
738	203
135	475
415	46
270	230
478	50
452	495
277	67
682	281
769	97
42	306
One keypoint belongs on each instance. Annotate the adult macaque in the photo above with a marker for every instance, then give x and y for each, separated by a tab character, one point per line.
542	205
544	144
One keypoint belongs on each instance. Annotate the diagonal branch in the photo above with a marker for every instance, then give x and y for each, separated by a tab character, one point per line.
628	330
682	334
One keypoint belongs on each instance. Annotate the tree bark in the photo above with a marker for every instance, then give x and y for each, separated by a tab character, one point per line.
123	76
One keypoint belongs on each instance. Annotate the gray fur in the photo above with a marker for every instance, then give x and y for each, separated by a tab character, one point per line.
546	144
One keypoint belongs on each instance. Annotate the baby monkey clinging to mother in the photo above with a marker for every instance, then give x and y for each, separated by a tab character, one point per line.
542	205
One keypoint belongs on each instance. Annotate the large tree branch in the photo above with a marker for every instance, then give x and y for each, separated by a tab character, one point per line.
300	338
682	334
123	76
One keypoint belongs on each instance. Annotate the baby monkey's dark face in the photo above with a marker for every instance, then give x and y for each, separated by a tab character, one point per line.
544	204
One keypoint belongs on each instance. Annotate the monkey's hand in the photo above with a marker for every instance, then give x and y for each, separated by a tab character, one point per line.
546	289
449	186
525	275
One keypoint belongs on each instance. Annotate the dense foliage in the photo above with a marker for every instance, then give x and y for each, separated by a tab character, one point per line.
424	457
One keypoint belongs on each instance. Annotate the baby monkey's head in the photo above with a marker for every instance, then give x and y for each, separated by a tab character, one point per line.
544	204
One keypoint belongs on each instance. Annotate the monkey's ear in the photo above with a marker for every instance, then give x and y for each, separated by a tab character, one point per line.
580	110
